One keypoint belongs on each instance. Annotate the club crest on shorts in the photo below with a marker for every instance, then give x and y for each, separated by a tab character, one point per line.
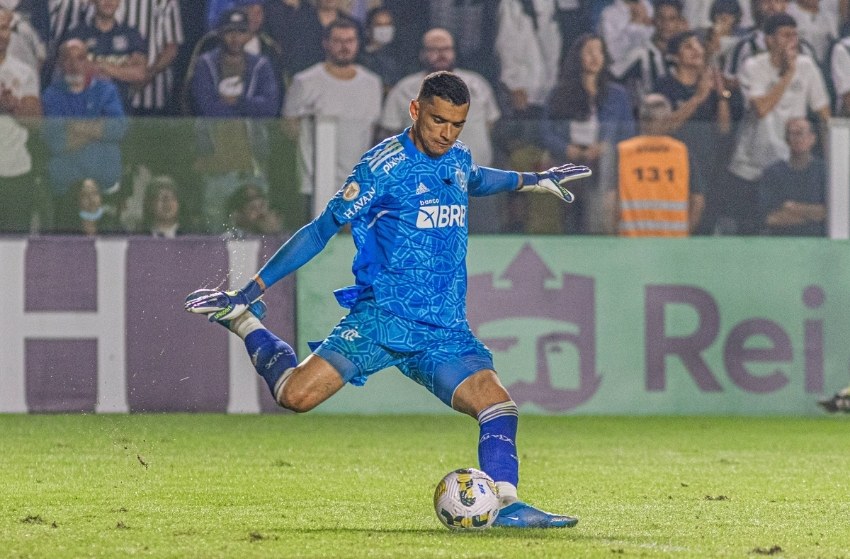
351	191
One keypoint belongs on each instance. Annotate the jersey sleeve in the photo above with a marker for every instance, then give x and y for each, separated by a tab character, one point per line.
485	181
362	187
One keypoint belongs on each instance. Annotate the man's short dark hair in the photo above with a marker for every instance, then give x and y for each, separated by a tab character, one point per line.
677	40
340	23
445	85
774	22
725	7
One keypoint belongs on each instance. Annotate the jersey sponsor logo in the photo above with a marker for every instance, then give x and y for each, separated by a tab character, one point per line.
350	335
390	152
393	162
438	217
360	203
422	189
351	191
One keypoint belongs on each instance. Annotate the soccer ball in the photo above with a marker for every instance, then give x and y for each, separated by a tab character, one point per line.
467	499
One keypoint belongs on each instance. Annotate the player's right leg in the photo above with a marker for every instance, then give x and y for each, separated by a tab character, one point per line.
297	387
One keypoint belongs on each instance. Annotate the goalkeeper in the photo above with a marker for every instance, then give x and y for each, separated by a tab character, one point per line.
406	201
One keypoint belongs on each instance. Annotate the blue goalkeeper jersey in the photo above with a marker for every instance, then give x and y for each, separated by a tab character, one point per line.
409	225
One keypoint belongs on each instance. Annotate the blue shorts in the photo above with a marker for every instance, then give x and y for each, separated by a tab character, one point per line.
369	340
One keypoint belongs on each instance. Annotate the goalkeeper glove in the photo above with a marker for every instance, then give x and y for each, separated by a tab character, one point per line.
552	180
223	305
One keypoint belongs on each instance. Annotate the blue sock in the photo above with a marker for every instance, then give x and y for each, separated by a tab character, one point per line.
497	454
270	355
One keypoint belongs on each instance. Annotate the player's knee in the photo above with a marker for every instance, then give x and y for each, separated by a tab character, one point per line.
297	399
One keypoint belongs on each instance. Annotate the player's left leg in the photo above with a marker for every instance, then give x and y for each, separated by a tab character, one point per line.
482	396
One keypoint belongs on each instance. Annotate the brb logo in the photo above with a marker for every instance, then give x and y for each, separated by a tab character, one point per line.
434	217
553	331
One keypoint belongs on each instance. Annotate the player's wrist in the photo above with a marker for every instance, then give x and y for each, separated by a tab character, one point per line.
252	290
528	179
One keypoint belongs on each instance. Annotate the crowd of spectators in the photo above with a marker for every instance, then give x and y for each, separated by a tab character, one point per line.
92	91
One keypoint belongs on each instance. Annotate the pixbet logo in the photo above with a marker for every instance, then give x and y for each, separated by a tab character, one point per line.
433	217
393	162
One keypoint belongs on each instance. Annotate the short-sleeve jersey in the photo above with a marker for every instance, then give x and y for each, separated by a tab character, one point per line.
408	221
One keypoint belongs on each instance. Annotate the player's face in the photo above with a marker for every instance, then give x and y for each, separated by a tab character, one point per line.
341	46
436	125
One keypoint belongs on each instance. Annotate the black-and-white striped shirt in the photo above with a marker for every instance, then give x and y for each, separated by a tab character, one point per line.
64	16
641	69
159	23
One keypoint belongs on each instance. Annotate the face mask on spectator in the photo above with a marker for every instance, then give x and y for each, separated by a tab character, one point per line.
383	34
91	216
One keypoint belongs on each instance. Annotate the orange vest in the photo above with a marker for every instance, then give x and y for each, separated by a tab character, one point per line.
654	179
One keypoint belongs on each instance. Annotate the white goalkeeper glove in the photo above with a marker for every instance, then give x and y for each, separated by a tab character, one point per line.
223	305
552	181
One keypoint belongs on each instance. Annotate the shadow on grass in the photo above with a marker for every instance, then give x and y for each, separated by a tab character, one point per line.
502	533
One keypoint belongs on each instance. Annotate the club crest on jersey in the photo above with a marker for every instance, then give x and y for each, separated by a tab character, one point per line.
350	335
460	178
351	191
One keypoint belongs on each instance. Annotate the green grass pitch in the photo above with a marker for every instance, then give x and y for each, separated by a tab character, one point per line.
342	486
